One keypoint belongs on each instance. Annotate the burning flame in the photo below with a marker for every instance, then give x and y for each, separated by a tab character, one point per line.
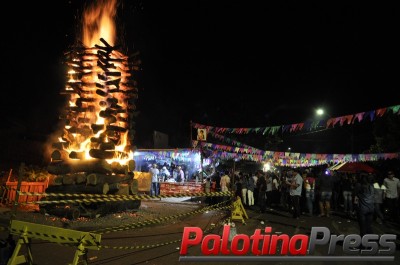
98	24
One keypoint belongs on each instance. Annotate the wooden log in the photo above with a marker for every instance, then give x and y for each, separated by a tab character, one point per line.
111	119
83	120
85	130
117	168
76	178
59	155
96	178
75	166
103	104
77	155
80	109
72	123
101	92
107	146
105	63
114	187
68	179
101	154
108	113
105	154
114	82
116	128
109	73
80	178
102	77
123	189
112	100
99	139
97	127
131	165
134	187
97	189
56	180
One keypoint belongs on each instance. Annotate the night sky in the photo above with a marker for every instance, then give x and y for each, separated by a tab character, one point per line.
219	63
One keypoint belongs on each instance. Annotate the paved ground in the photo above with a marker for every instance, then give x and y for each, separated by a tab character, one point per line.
119	248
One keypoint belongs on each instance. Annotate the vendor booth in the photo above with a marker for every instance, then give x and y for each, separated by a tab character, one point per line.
169	163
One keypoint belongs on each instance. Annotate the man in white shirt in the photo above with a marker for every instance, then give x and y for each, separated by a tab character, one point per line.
296	186
164	173
154	190
392	185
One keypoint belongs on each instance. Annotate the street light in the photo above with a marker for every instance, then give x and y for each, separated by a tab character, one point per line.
320	112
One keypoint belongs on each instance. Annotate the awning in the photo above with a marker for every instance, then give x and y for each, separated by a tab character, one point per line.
352	167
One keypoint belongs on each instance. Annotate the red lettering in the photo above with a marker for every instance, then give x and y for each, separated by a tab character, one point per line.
256	237
246	244
216	242
225	240
303	245
187	241
274	243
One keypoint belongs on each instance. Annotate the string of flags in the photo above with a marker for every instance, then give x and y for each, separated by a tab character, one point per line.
307	125
289	158
240	151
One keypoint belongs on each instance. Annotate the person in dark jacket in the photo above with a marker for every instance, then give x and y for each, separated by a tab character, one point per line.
364	199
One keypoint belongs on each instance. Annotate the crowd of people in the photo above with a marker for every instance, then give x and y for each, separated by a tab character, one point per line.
165	174
306	192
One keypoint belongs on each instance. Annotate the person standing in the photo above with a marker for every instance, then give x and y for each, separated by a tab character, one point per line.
181	175
244	189
364	198
207	189
225	182
379	194
164	174
324	185
268	192
250	189
309	183
392	185
262	188
255	177
154	191
296	186
347	188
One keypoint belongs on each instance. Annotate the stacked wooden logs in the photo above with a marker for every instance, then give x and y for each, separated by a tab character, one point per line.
99	123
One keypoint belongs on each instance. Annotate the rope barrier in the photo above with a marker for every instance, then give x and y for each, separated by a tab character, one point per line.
116	198
159	244
159	220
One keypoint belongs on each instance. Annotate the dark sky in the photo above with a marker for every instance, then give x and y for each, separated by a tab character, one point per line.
220	63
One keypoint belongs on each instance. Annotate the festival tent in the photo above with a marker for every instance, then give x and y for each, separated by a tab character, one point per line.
352	167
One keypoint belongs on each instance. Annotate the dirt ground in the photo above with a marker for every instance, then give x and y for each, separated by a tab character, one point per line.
149	209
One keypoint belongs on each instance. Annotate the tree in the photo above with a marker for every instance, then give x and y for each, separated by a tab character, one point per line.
386	131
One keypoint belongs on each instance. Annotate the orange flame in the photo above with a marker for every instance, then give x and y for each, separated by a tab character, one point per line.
98	23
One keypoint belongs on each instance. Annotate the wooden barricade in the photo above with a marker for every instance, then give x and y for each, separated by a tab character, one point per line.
172	188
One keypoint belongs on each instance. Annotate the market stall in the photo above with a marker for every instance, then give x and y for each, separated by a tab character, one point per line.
170	162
